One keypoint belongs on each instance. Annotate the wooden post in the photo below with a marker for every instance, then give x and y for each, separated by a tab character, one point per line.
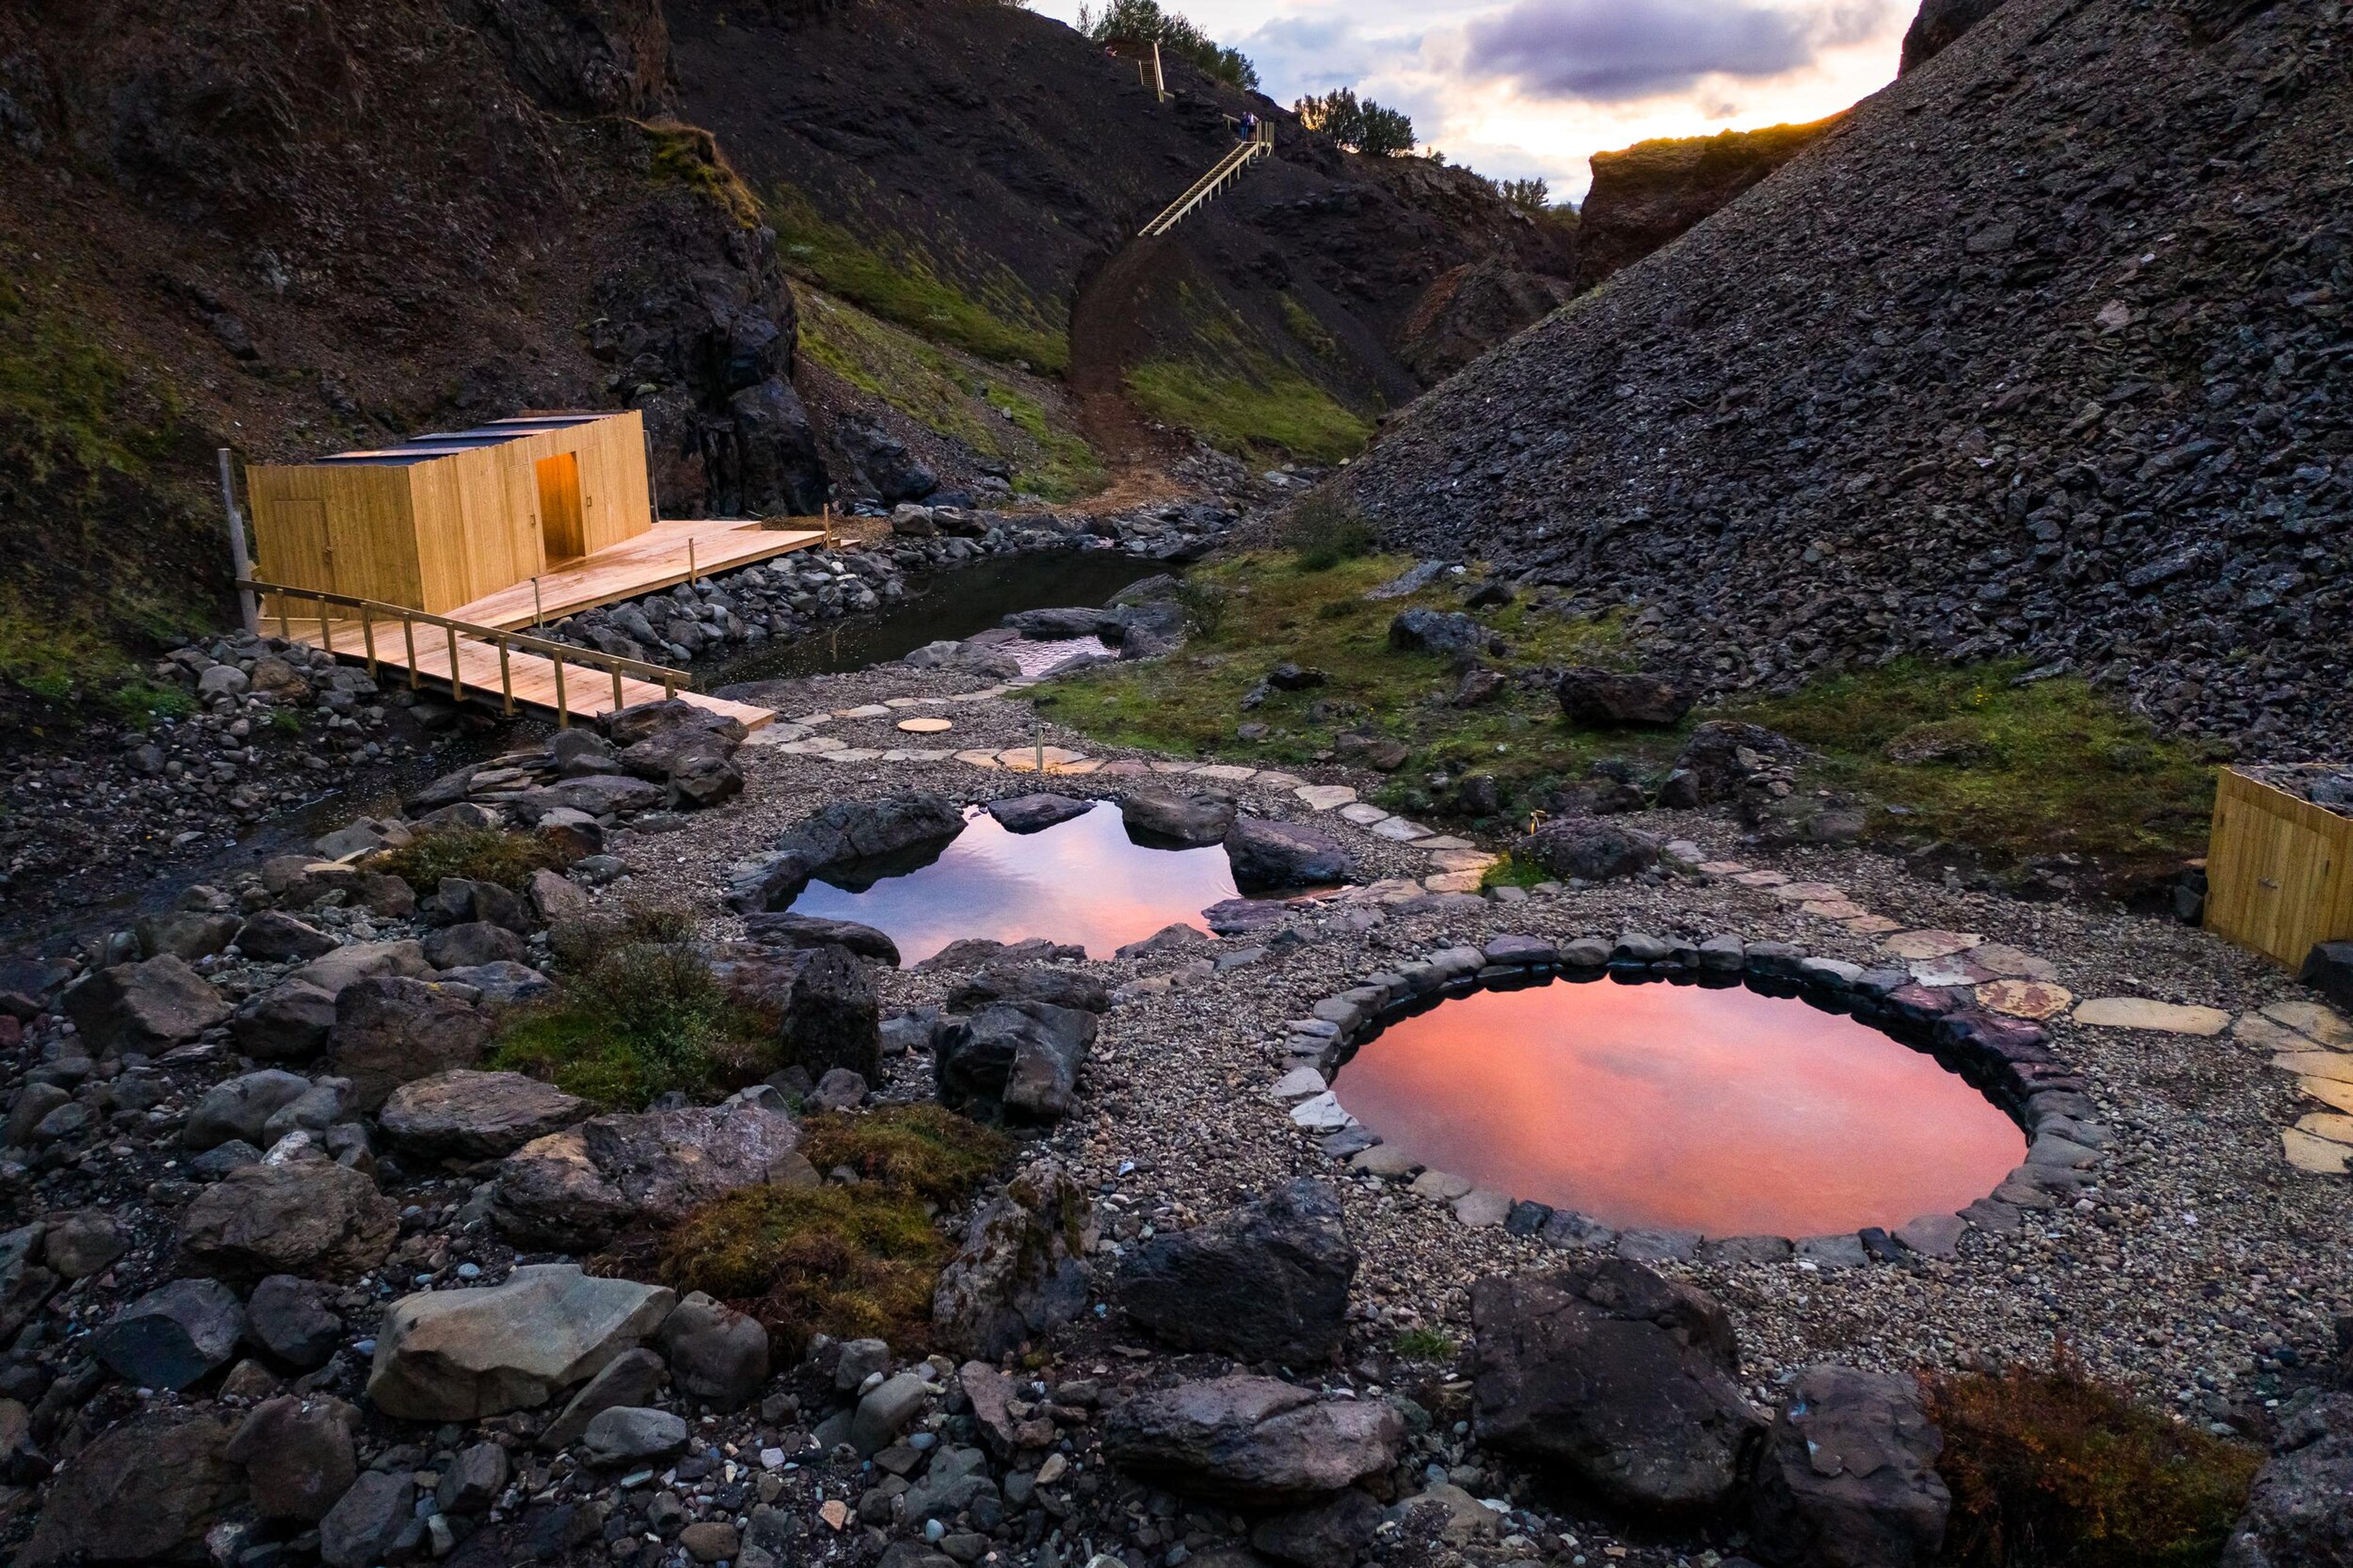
669	685
457	676
690	561
506	677
1159	81
248	609
616	690
367	638
653	501
562	713
326	628
408	636
538	618
285	621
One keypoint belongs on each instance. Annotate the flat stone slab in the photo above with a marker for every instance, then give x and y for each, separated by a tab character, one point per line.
2140	1013
977	759
2317	1156
1386	1160
1445	841
1723	868
2335	1127
2024	998
1226	773
1082	766
1454	881
1326	798
1161	766
1268	778
902	702
2334	1066
1929	942
853	754
1760	879
2312	1021
1444	1186
1808	892
1948	973
1462	859
1321	1113
1125	768
1483	1205
2329	1091
1364	814
1019	758
1833	909
2000	959
1298	1084
2268	1035
865	710
1872	925
926	726
1932	1234
1399	830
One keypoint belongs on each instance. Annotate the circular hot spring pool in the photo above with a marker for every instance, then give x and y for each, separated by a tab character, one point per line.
1723	1110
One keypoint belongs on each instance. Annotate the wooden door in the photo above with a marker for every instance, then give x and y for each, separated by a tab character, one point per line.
561	530
2276	870
297	549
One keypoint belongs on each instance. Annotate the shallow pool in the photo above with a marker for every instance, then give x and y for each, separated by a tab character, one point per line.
1724	1112
1081	881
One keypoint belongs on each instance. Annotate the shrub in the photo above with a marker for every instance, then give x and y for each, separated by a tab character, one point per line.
923	1151
1360	125
1425	1344
473	854
2048	1467
1143	22
853	1262
1324	530
1206	605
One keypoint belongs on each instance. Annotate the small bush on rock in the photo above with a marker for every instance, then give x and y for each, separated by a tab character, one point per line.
1324	530
1206	605
474	854
853	1262
2048	1467
925	1151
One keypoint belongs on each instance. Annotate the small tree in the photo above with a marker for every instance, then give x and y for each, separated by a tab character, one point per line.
1144	23
1529	195
1361	125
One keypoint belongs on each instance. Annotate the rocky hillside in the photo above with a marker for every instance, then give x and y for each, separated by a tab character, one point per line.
1645	195
2041	355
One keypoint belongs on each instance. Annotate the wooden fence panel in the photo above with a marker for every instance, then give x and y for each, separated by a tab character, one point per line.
2279	871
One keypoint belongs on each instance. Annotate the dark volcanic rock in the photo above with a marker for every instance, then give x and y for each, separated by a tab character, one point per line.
1163	816
390	1030
1589	849
1266	1281
307	1216
1624	1381
144	1492
1645	195
173	1335
1035	813
298	1456
788	930
150	1006
1268	855
578	1188
288	1319
1251	1442
1022	1266
1607	698
1447	632
1030	983
820	1000
1847	1478
1013	1060
845	839
468	1115
2298	1515
1939	24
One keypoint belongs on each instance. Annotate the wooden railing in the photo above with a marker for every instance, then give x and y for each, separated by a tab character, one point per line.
557	653
1221	174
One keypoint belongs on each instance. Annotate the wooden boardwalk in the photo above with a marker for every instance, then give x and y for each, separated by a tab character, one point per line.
661	557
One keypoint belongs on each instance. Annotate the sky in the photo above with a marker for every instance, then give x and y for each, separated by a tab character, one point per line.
1519	87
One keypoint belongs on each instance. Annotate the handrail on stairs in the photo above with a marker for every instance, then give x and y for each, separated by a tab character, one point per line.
1226	169
555	653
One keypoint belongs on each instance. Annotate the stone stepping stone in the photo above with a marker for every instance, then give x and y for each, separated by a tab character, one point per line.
1386	1160
1444	1186
1299	1083
1324	797
777	735
1457	882
2000	959
1161	766
1269	779
2334	1126
853	754
1872	925
1929	942
1445	841
2330	1067
977	759
823	744
1227	773
1805	892
2165	1017
1397	829
926	726
868	710
2317	1156
910	754
1363	813
1948	971
1083	765
1723	868
1760	879
819	718
1321	1113
2264	1033
2329	1091
2312	1021
1025	758
1485	1205
1387	891
2024	998
1125	768
1462	859
1833	909
900	702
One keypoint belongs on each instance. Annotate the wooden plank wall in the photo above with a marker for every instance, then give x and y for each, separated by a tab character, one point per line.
368	528
2279	871
475	528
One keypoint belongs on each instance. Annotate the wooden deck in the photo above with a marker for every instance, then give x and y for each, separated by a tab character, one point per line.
655	559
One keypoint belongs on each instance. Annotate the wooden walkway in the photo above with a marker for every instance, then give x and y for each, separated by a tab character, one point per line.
662	557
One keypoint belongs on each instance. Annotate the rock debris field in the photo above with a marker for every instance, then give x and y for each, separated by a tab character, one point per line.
298	1273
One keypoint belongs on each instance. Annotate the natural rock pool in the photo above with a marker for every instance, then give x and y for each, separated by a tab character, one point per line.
1082	882
1680	1107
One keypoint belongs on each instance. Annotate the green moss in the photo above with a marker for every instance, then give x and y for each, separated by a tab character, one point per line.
1311	332
905	288
474	854
2047	1466
690	155
64	393
925	1151
1248	402
1425	1344
853	1262
1066	467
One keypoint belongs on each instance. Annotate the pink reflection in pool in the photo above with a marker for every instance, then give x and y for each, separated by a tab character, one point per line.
1727	1111
1080	881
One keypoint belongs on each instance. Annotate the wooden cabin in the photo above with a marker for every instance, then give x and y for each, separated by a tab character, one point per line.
444	519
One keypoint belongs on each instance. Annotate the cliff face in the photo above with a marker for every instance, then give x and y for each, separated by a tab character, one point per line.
1648	195
2041	355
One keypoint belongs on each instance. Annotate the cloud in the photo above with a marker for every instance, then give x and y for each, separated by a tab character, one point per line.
1613	51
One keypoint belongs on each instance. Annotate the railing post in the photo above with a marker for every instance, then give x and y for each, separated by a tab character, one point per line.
408	636
562	713
367	638
248	609
457	676
285	623
506	679
326	628
689	562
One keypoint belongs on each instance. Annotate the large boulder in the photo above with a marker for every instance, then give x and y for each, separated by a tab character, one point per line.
601	795
1624	1382
308	1216
241	1108
150	1006
288	1023
1268	855
1045	982
575	1190
1035	813
335	971
1054	624
291	1321
1013	1062
1162	814
273	936
462	1355
1251	1442
1847	1478
716	1353
849	838
1265	1282
462	1114
375	1522
1725	756
1449	633
472	942
2300	1511
1022	1267
188	934
148	1491
173	1335
1588	848
785	929
687	750
390	1030
819	1000
1608	698
298	1454
965	659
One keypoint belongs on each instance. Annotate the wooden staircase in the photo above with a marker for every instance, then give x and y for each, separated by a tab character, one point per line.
1223	173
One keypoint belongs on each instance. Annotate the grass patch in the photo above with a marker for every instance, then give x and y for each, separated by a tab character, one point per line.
2048	1467
690	155
471	854
1312	333
2053	766
1256	402
923	1151
850	1261
906	288
1425	1344
638	1014
1324	529
67	393
1510	873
